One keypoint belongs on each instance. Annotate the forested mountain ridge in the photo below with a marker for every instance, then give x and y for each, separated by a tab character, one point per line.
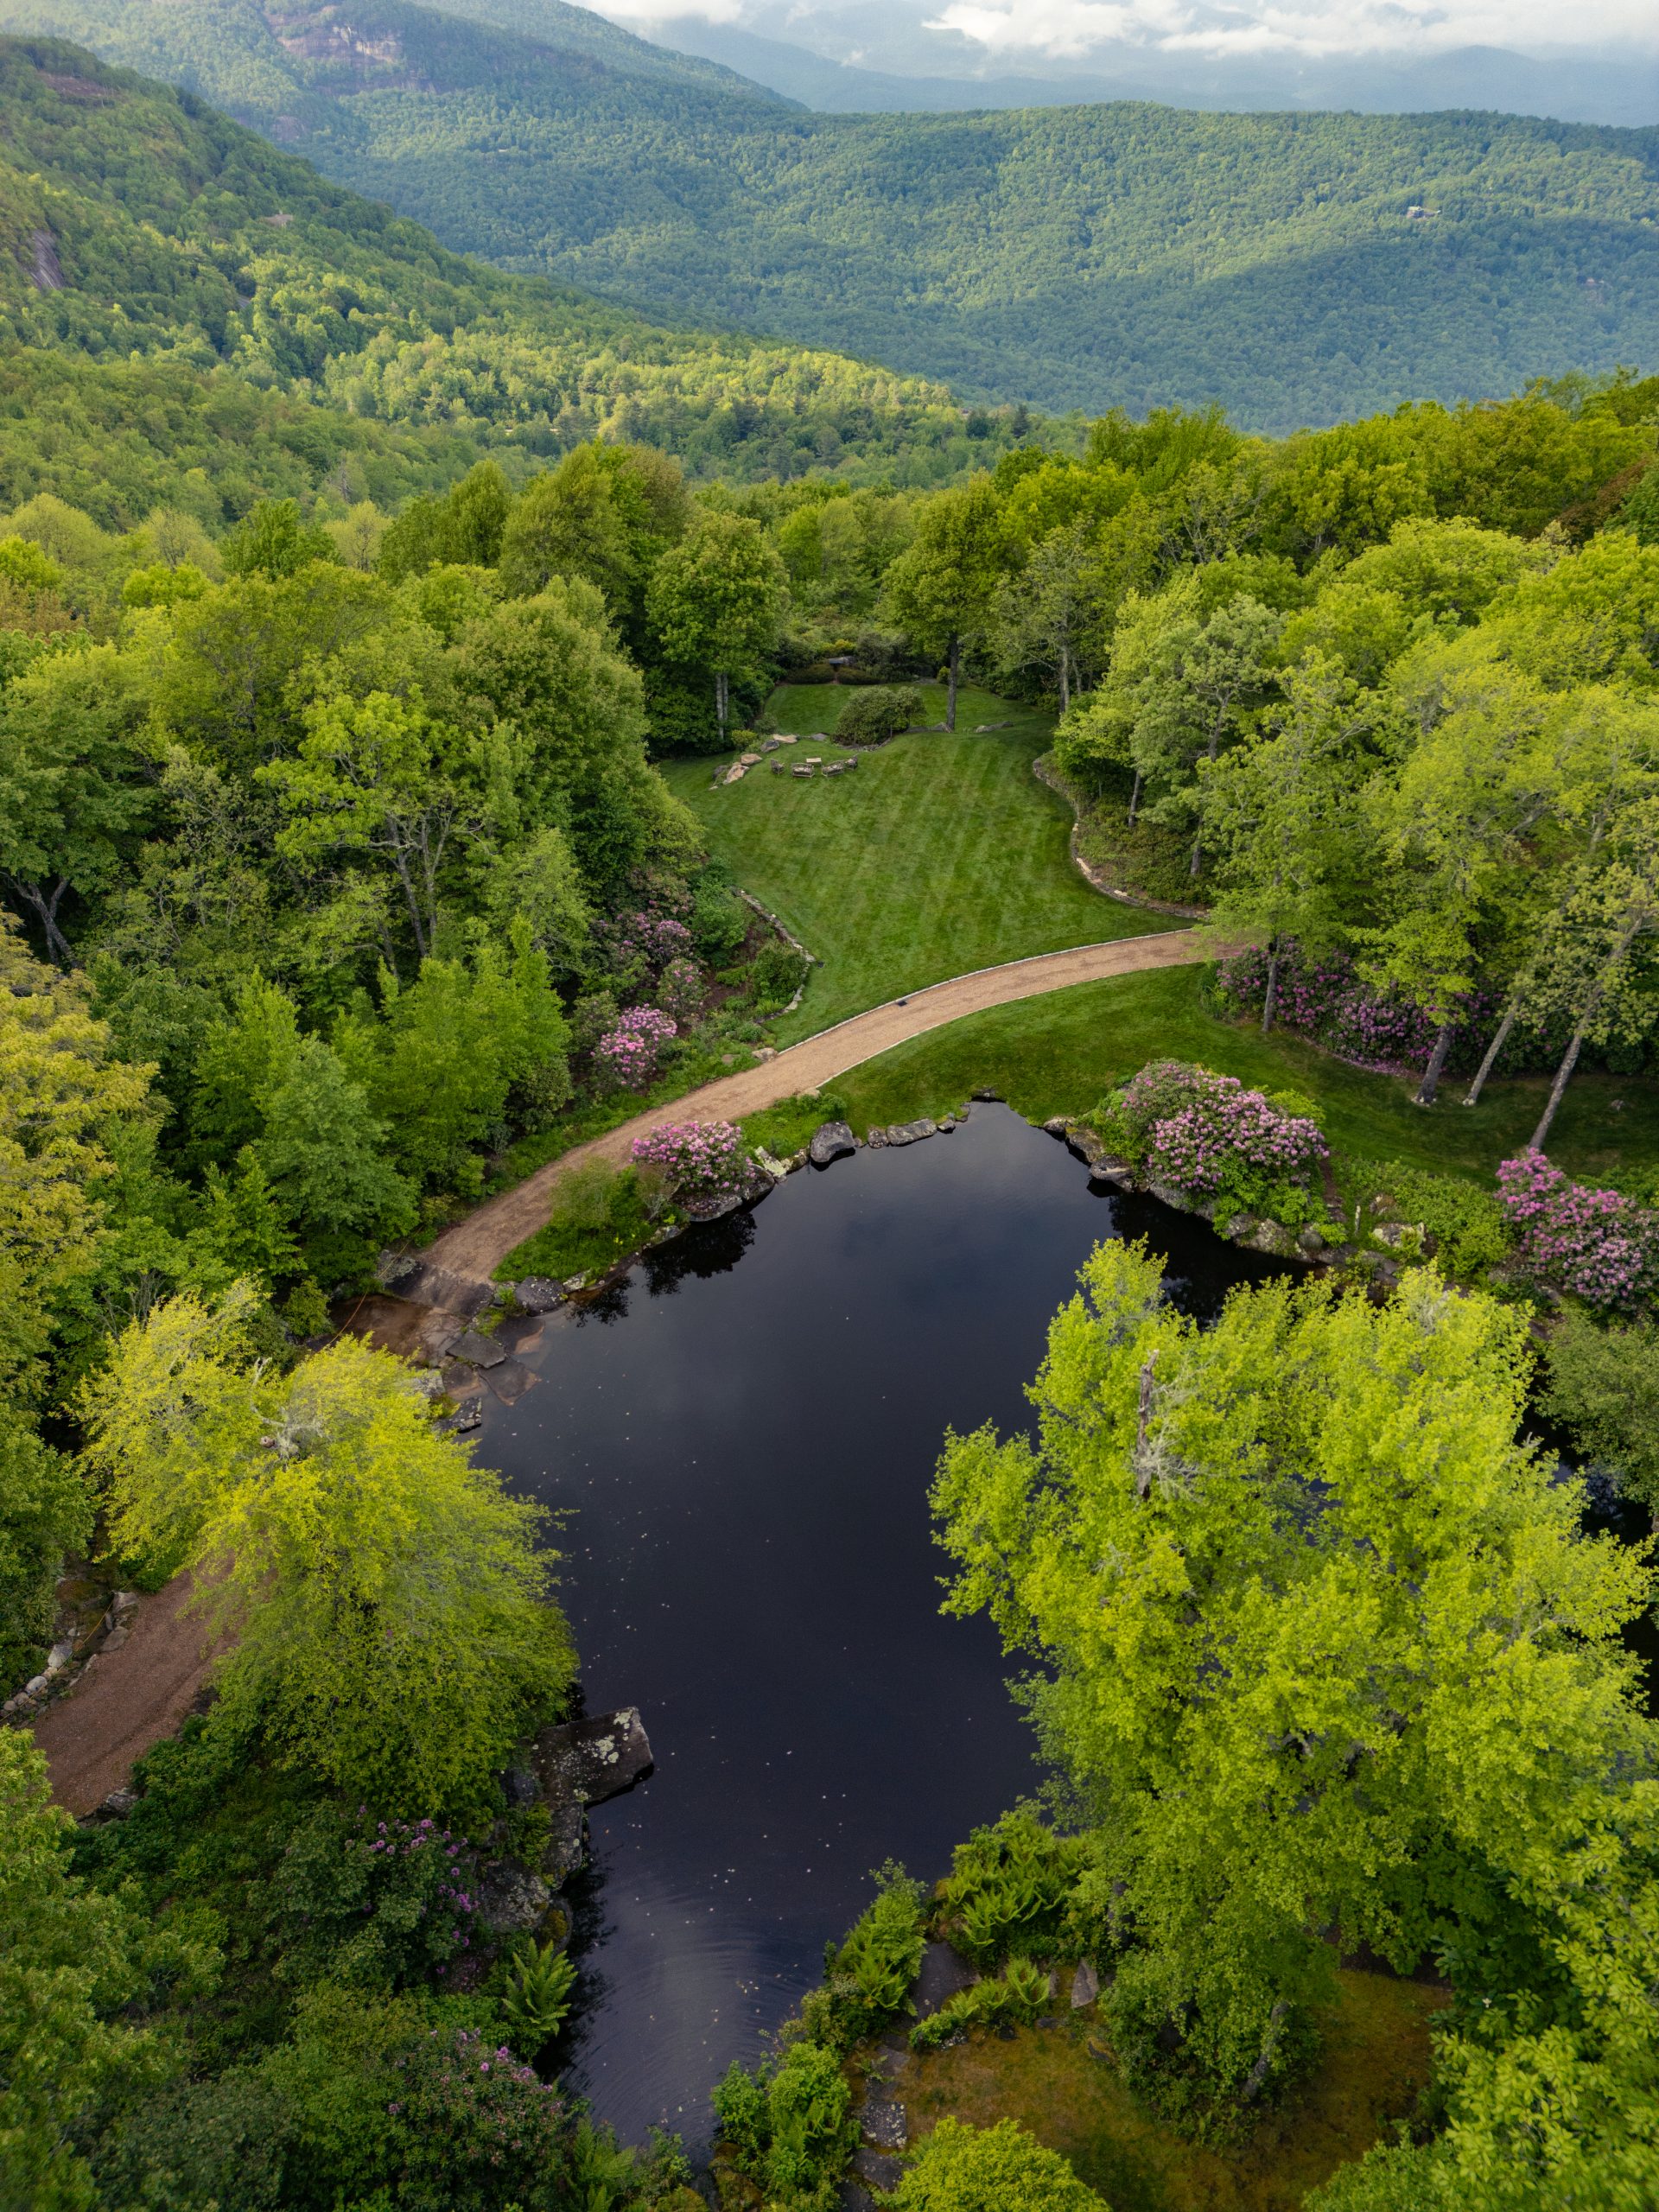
1118	254
147	242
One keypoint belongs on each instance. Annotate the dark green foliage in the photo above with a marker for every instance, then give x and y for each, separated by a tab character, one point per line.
1467	1223
1117	252
45	1512
719	923
1604	1387
775	974
872	716
790	2124
537	1991
1018	1995
1008	1891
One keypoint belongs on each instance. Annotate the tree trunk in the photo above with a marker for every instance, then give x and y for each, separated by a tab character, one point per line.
1268	1002
1065	681
1197	842
1134	798
1472	1096
57	945
1563	1076
722	699
1429	1089
950	686
408	881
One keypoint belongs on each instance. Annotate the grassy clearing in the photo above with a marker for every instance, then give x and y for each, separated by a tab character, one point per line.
1375	2065
938	854
1057	1054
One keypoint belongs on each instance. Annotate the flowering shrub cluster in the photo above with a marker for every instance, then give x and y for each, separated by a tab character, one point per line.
703	1160
681	988
630	1053
1599	1245
1323	997
477	2126
1207	1134
396	1894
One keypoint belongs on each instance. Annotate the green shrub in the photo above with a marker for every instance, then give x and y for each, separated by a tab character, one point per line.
1466	1222
1008	1888
597	1214
1604	1388
961	2168
775	975
871	1975
1391	2177
1020	1993
538	1984
789	2126
719	923
1203	2048
870	717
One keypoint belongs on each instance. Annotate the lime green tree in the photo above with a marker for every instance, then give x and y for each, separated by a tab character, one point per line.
386	1611
1323	1646
961	2168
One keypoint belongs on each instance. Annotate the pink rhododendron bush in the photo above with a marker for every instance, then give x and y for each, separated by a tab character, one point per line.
1207	1136
1597	1245
702	1159
632	1052
1323	996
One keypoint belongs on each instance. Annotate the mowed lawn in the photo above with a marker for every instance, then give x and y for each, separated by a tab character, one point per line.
938	854
1058	1054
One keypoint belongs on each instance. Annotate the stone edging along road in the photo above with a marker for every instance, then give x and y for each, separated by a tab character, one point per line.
473	1248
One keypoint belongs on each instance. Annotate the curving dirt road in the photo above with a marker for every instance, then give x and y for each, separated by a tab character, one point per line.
473	1248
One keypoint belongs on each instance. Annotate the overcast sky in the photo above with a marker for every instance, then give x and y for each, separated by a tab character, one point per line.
1012	31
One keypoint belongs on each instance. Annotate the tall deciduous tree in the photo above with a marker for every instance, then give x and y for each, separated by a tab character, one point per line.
942	588
389	1613
1322	1645
715	599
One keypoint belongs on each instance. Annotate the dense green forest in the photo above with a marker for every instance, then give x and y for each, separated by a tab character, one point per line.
150	247
1091	257
339	882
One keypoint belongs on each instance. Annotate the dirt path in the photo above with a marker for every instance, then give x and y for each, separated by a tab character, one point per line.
127	1700
473	1248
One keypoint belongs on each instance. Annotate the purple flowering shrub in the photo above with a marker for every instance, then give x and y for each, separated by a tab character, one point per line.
702	1159
1322	996
477	2129
681	989
631	1053
1597	1245
382	1901
1207	1136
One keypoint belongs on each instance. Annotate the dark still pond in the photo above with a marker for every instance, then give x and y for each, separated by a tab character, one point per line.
742	1441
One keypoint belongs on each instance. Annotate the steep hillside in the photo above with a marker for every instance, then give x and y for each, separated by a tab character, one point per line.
1296	267
139	227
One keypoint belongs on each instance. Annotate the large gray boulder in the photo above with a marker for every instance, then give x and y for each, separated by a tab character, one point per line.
944	1974
512	1901
832	1140
584	1762
912	1132
538	1295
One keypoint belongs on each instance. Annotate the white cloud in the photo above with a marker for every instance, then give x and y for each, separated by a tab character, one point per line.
642	14
1068	30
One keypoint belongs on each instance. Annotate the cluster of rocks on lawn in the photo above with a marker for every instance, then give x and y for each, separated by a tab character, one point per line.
1329	1247
835	1140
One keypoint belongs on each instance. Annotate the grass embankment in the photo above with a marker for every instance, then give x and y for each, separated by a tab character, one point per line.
1374	2067
1058	1054
938	854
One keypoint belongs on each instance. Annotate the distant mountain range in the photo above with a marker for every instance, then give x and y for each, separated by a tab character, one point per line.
905	65
1298	268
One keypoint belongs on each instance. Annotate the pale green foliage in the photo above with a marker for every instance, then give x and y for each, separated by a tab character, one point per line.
1317	1624
942	588
714	598
388	1612
1019	1993
960	2168
882	1955
1008	1885
790	2125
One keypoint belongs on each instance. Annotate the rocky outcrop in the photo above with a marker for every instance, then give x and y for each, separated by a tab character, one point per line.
587	1762
833	1141
538	1295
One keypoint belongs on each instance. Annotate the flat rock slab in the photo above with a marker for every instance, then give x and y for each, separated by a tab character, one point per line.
476	1351
538	1295
944	1974
1085	1984
884	2124
911	1132
588	1761
832	1140
512	1901
877	2168
509	1381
